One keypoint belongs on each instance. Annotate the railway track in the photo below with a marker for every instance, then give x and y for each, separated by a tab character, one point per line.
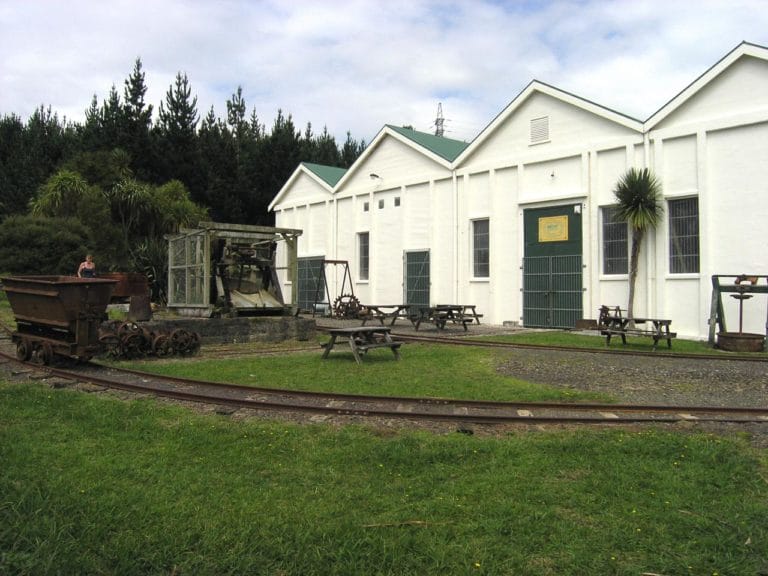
464	341
456	412
239	349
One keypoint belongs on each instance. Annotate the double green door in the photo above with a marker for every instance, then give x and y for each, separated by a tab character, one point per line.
552	267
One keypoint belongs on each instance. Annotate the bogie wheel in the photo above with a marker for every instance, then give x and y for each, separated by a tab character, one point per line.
346	306
161	345
194	345
127	329
110	342
181	340
24	350
46	353
132	345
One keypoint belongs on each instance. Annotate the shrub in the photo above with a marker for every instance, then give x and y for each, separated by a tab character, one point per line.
41	245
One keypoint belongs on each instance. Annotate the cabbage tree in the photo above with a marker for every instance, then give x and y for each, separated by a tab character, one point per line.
639	203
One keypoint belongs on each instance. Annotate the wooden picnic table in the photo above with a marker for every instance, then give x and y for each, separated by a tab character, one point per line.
441	314
613	322
361	339
382	312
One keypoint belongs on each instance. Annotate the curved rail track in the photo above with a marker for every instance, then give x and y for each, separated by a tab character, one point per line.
406	408
463	341
460	412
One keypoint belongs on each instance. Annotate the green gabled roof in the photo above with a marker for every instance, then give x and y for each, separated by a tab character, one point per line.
443	147
328	174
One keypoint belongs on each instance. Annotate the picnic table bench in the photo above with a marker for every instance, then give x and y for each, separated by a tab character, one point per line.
361	339
612	322
441	314
382	312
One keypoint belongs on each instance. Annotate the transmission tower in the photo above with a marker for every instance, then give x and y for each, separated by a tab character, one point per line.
439	121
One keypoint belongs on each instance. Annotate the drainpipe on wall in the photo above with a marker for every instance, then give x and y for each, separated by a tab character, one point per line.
650	256
455	237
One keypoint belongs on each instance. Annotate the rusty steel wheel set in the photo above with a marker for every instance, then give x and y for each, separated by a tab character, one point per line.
130	340
63	316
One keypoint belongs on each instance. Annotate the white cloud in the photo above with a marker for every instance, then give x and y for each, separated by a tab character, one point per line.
357	65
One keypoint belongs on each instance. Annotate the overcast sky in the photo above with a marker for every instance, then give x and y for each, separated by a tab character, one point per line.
357	65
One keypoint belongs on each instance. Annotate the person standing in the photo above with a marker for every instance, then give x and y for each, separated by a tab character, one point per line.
87	268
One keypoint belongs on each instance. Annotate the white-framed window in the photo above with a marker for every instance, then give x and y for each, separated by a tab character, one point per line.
363	255
683	235
615	242
481	248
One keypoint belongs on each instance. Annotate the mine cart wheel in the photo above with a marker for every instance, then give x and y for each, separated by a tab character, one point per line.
346	306
181	341
111	344
194	345
46	353
161	345
132	345
24	350
128	328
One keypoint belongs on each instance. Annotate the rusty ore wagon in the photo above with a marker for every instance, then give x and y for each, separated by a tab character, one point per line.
57	315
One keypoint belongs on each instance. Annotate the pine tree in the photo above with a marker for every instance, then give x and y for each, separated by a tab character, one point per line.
236	114
135	137
350	151
178	118
177	138
112	120
325	150
91	132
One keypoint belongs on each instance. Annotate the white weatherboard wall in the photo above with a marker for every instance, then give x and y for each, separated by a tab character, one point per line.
710	142
714	146
559	171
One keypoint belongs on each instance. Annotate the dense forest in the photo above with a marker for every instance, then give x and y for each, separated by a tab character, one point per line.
126	175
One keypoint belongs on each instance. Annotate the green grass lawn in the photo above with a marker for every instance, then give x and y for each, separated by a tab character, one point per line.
90	484
595	341
425	370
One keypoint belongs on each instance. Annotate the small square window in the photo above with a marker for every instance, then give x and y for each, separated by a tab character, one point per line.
397	201
365	206
381	204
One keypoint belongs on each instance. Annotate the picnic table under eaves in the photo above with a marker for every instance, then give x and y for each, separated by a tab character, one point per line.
439	315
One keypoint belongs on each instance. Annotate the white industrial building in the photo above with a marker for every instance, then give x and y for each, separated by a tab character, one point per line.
519	221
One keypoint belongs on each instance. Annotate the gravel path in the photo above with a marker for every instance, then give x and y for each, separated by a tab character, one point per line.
653	380
647	379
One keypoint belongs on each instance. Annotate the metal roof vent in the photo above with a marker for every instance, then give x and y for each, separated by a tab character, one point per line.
540	130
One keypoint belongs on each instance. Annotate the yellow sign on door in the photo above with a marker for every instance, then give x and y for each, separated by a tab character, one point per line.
553	229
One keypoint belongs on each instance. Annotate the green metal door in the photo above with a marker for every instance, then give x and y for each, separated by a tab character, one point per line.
310	283
416	276
552	267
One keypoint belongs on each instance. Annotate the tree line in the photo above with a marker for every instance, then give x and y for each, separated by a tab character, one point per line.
142	174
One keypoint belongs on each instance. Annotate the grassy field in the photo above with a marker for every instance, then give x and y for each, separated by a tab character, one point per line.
430	370
95	485
595	341
90	484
